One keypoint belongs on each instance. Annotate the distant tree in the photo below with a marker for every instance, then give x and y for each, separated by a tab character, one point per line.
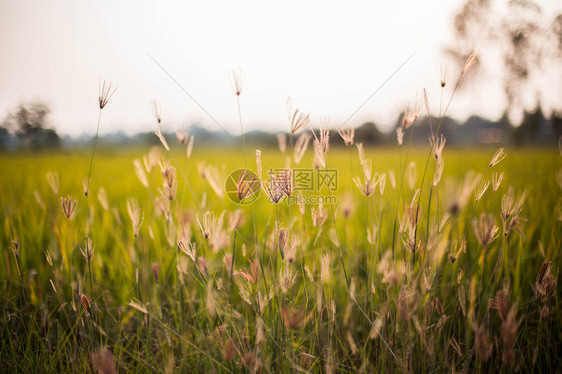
5	138
516	35
30	124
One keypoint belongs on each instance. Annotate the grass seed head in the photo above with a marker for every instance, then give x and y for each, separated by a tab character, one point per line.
292	318
157	111
444	75
182	136
135	214
298	121
86	303
106	90
300	147
348	135
53	180
237	80
282	141
102	361
485	229
68	206
497	179
470	61
497	157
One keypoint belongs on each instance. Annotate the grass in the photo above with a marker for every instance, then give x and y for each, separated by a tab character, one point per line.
339	299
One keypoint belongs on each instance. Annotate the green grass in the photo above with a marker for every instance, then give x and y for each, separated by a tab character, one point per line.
425	308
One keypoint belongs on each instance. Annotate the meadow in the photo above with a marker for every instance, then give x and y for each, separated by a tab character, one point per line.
432	260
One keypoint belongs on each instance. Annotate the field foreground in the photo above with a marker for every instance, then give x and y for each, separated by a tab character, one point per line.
158	269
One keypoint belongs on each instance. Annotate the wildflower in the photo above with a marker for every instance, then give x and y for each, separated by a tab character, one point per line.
105	93
347	135
282	142
485	229
298	121
300	147
68	206
470	61
497	158
135	214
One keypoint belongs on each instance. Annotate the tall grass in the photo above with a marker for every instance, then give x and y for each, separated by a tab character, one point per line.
425	266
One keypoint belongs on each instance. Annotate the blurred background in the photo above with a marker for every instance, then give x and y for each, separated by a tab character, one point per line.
361	66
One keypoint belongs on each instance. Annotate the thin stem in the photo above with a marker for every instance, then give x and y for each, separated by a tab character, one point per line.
93	152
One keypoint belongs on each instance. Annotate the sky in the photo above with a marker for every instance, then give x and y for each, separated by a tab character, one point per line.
327	57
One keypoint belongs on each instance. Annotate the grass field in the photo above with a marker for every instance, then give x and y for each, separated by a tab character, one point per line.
419	276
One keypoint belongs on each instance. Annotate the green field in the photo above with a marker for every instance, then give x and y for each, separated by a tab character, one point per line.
361	284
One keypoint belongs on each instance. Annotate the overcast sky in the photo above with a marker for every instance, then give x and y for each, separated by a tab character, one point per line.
329	57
